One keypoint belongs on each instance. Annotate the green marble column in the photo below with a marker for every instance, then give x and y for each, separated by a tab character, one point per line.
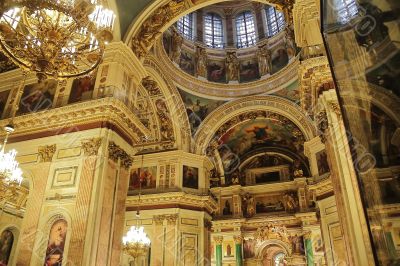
238	250
218	250
309	250
390	245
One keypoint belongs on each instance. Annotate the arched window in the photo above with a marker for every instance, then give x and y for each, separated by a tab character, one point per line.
213	31
278	259
6	243
185	26
275	21
346	10
245	30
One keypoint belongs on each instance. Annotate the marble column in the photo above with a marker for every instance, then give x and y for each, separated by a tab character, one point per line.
309	249
218	250
157	241
238	250
171	244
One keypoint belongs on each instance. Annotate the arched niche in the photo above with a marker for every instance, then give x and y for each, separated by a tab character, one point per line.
9	236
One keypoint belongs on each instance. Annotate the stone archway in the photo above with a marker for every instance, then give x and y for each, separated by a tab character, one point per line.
268	249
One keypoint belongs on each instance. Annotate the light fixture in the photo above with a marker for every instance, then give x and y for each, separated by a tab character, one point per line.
136	243
10	173
55	38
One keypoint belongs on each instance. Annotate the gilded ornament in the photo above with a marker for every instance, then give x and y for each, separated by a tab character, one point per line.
172	218
218	240
46	153
238	239
91	146
158	219
151	86
116	153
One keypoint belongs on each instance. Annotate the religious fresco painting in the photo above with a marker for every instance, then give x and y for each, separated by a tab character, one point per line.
82	89
291	92
3	100
37	97
280	59
252	134
266	204
56	244
229	249
249	248
190	178
216	71
322	163
198	108
144	177
186	62
248	70
6	243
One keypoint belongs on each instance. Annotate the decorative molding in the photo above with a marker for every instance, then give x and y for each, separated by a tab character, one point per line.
171	218
322	125
218	240
91	146
46	153
263	104
107	109
116	153
158	219
336	109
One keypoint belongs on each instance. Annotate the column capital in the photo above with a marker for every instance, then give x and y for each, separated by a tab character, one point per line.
307	235
218	239
91	146
158	219
238	239
46	152
172	218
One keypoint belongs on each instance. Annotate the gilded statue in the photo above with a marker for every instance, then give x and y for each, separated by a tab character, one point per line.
201	66
232	66
264	60
177	41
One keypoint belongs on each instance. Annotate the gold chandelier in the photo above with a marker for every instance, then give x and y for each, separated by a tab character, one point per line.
55	38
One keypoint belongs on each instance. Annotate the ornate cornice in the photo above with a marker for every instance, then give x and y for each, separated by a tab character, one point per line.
102	110
116	153
206	203
46	153
263	86
238	239
91	146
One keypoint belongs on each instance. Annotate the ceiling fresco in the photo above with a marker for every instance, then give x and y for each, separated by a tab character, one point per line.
198	108
274	131
291	92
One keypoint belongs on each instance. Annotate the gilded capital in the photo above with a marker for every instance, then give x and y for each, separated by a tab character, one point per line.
336	109
307	235
238	239
172	218
91	146
218	239
158	219
46	153
115	152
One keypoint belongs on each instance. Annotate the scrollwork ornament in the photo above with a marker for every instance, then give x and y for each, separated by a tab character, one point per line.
116	153
322	125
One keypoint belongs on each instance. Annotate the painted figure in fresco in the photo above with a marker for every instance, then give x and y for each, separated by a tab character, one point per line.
297	244
260	132
55	246
6	242
228	250
190	177
248	248
232	67
81	88
264	60
37	97
216	72
177	41
290	203
289	42
201	65
248	205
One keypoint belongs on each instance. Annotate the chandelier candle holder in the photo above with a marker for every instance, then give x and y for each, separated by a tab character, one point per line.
55	38
136	243
10	173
